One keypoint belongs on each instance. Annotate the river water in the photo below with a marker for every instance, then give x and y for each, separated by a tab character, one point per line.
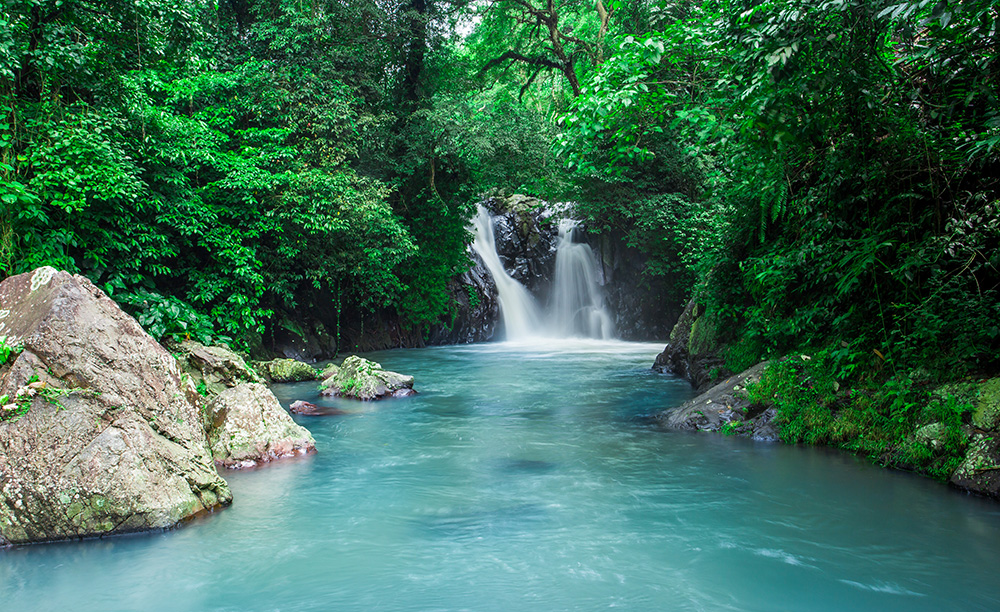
524	477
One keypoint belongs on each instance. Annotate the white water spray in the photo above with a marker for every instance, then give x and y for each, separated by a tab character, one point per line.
577	301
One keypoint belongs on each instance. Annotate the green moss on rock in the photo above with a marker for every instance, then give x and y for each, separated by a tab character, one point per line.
286	370
359	378
987	414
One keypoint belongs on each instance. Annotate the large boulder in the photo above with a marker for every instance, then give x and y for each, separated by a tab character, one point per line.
362	379
726	408
112	440
248	427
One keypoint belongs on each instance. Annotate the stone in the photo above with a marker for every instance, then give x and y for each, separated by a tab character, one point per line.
329	371
309	409
114	441
987	414
362	379
692	350
285	370
725	407
931	435
213	369
979	472
249	427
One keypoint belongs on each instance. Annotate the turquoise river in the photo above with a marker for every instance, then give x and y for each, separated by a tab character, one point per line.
527	477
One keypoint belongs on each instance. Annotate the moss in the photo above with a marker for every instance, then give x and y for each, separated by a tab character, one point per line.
987	414
704	337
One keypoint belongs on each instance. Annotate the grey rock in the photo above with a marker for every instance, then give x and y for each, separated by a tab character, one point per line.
249	427
124	449
213	369
362	379
725	404
931	435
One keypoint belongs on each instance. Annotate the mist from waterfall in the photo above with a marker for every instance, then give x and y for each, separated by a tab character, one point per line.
577	304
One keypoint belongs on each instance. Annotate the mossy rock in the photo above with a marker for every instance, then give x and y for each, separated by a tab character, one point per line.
987	414
286	370
329	371
979	472
359	378
704	338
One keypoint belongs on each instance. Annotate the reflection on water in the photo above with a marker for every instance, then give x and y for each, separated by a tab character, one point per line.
522	477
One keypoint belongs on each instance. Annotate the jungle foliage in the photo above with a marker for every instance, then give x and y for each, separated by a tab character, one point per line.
821	174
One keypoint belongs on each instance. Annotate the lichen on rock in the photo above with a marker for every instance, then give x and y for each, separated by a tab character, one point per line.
248	427
126	453
286	370
212	369
362	379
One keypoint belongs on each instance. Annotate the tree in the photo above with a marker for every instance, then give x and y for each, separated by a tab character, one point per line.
547	35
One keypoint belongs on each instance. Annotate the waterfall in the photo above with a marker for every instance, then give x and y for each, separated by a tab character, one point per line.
577	305
577	300
521	317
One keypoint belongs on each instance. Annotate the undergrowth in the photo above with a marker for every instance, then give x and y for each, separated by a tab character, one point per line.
892	419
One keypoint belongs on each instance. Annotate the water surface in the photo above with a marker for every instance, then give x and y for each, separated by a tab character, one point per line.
524	477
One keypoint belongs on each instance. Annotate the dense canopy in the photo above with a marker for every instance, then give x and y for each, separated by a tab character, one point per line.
822	175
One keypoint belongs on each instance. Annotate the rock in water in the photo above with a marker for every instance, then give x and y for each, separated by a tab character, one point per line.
366	380
115	442
725	407
979	472
310	409
286	370
249	427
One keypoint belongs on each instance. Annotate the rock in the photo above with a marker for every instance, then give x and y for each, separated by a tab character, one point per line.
474	294
249	427
329	371
987	414
979	472
308	409
931	435
692	350
213	369
285	370
725	407
124	448
365	380
526	238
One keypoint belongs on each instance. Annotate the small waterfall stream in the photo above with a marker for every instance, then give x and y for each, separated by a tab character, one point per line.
577	300
577	308
521	316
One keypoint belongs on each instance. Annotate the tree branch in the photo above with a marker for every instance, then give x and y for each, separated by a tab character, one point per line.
513	56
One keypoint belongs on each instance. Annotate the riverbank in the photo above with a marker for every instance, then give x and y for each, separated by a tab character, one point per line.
899	420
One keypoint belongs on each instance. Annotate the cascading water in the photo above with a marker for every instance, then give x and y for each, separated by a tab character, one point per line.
577	300
521	317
